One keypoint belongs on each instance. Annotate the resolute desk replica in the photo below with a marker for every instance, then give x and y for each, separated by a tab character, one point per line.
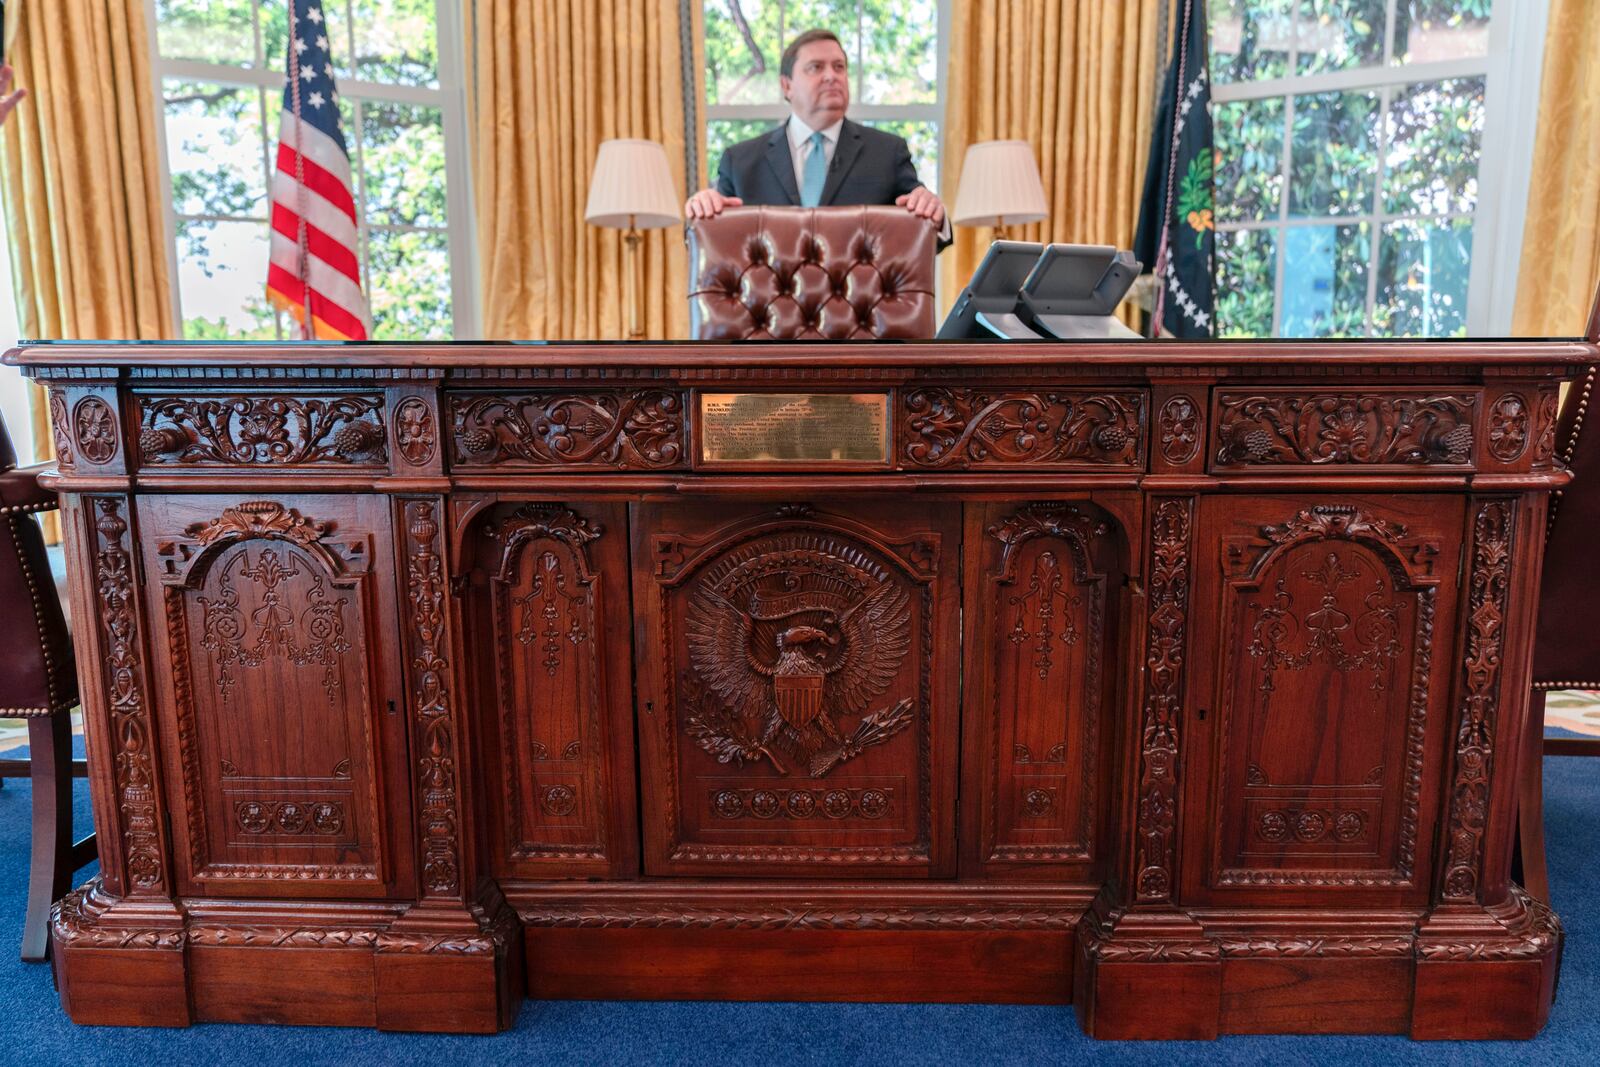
1184	682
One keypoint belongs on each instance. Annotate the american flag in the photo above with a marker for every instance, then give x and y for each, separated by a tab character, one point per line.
314	270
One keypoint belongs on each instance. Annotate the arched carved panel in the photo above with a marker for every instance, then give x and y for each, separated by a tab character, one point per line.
804	708
545	606
268	618
1326	678
1039	632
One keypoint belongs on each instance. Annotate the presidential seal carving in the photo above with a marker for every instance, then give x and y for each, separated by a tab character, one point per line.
785	643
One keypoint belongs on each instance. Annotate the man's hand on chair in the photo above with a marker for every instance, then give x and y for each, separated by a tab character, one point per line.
922	203
708	204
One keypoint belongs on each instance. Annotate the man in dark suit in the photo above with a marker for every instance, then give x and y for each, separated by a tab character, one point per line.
818	157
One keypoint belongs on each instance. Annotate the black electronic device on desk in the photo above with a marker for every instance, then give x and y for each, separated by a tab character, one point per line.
1027	291
987	307
1073	289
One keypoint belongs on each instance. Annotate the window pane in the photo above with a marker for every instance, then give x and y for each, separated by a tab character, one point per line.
1250	39
742	49
1422	279
403	159
207	31
923	140
1334	162
722	134
1340	34
1249	173
843	18
1430	30
1247	266
1325	281
900	53
214	149
396	42
222	278
410	271
1435	137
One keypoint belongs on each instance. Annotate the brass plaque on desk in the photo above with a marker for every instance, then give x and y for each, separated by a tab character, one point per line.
794	428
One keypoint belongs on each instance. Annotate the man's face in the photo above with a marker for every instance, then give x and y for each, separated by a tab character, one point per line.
819	91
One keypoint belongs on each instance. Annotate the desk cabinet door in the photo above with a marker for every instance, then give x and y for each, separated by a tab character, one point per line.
1320	689
282	712
547	627
797	688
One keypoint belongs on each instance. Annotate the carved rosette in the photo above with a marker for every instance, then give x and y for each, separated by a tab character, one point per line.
435	724
263	430
414	432
94	430
1179	430
1510	423
134	768
1170	535
975	428
642	429
1255	430
1489	587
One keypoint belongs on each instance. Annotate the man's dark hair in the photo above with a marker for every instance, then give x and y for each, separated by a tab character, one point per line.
786	64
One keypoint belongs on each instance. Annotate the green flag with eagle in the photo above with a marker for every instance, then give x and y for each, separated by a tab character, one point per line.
1177	228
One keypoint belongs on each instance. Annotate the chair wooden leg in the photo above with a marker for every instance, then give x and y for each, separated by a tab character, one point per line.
49	870
1530	804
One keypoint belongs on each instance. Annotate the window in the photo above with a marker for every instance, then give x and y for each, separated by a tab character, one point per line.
897	80
1356	192
219	67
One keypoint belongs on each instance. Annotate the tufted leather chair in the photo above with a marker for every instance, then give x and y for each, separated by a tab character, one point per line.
38	682
792	273
1566	649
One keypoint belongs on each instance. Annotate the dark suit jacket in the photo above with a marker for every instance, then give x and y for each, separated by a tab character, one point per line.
869	167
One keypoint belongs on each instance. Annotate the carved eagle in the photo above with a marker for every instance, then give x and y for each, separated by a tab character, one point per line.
818	665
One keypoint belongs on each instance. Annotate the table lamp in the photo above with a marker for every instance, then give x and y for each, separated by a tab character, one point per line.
999	187
632	189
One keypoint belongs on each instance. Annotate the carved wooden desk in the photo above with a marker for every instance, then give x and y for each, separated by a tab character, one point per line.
1185	683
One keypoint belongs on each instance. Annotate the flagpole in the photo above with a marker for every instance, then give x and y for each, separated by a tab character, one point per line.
1162	249
303	261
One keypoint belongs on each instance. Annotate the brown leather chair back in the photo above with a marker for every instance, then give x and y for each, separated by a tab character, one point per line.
1566	652
793	273
37	673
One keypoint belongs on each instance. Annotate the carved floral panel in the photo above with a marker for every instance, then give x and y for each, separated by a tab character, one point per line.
263	430
1275	428
957	428
629	429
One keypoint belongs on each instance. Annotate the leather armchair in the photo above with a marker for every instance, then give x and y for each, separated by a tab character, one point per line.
788	273
38	679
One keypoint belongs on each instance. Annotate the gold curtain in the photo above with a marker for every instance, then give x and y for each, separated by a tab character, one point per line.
80	179
1562	228
1076	80
552	79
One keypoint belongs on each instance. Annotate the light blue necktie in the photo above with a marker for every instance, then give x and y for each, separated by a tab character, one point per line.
816	173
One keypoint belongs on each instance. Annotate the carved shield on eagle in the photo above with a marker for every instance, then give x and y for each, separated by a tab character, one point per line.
784	647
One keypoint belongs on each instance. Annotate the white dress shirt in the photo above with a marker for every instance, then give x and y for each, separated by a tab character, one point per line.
800	146
800	149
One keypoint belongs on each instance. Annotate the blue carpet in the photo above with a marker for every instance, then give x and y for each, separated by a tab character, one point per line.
569	1033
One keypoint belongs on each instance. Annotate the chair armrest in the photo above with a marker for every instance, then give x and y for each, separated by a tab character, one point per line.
20	490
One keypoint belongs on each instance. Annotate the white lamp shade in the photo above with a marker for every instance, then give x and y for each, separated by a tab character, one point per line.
632	186
999	186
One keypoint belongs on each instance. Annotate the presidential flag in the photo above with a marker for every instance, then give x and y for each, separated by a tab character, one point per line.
1177	230
314	275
